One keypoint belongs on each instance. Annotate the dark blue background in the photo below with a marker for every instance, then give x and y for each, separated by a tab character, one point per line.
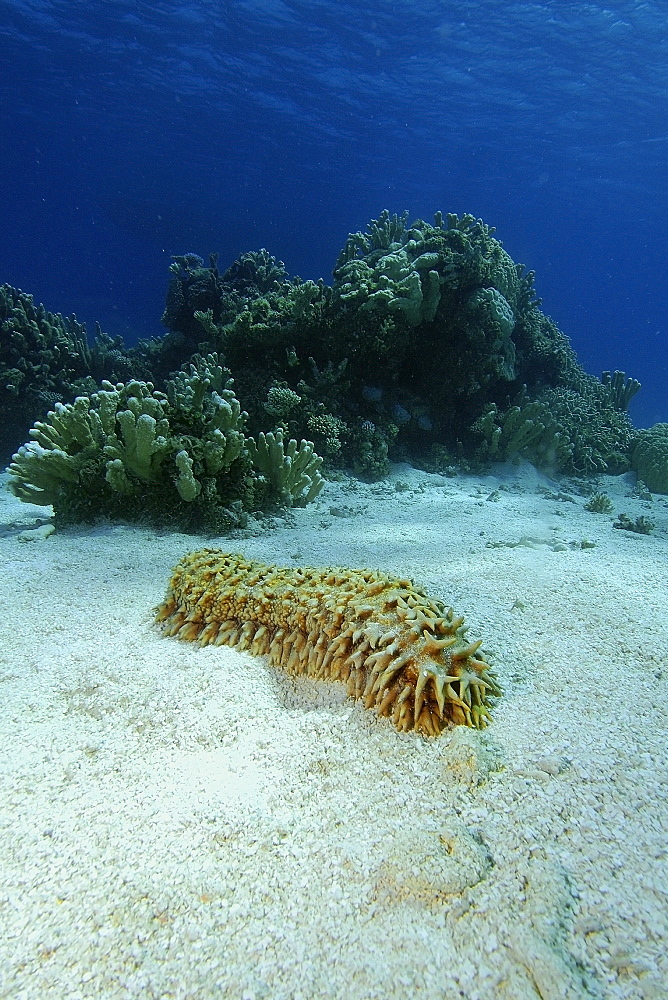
133	131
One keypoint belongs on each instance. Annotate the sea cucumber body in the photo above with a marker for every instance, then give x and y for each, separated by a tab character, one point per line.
401	652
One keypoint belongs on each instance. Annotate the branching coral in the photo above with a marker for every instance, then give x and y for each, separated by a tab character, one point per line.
574	430
527	431
621	389
281	400
599	503
292	471
46	358
133	452
640	526
650	457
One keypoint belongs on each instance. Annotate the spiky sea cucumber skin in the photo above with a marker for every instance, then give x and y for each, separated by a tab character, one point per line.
400	651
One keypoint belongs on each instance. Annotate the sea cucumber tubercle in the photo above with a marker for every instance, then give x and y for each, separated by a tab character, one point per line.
403	653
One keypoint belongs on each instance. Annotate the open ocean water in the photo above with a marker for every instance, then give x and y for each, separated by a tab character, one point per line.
133	131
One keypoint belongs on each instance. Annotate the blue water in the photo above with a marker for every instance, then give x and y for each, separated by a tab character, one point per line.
132	131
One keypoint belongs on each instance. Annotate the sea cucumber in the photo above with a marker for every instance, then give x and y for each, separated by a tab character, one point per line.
400	651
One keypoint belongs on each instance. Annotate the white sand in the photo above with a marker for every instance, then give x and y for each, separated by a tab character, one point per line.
185	823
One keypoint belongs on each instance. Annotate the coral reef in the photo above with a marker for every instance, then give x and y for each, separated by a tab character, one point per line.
46	358
430	347
398	650
132	452
649	457
426	336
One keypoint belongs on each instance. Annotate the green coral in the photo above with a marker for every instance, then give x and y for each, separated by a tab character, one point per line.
620	389
46	358
257	269
571	430
600	434
130	451
454	282
525	431
649	457
402	270
273	322
292	471
328	431
371	449
500	319
115	428
281	400
394	282
205	409
599	503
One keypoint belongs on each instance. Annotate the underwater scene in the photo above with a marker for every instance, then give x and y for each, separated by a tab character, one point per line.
334	500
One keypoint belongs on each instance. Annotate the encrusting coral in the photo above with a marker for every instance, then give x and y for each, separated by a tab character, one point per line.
400	651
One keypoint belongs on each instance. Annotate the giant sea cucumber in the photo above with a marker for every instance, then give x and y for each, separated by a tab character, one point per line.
400	651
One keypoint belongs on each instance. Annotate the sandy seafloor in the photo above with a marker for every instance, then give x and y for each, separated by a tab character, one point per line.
179	822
